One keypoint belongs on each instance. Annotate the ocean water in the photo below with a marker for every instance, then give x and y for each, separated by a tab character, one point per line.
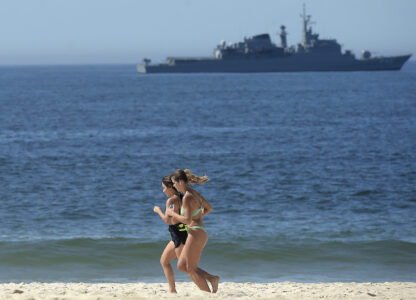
313	175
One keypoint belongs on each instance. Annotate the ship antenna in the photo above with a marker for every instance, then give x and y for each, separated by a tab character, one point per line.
306	21
304	12
304	25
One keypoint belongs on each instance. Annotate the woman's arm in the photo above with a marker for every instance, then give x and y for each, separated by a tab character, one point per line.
205	204
187	215
162	215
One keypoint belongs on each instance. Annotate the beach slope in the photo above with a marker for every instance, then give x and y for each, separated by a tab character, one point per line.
227	290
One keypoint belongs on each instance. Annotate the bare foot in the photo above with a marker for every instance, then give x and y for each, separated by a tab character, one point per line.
173	291
214	280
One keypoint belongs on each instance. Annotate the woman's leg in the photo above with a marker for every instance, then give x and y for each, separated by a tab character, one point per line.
189	258
167	256
211	278
214	280
178	250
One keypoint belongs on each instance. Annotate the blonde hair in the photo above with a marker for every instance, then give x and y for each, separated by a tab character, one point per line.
187	176
193	179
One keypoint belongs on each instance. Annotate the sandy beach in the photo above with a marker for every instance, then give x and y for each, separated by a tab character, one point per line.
227	290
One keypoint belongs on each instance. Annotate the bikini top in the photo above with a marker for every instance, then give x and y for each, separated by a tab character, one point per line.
194	213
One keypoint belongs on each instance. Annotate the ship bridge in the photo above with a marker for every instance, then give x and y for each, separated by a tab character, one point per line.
254	46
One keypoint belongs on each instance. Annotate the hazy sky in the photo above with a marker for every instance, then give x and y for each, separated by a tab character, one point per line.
125	31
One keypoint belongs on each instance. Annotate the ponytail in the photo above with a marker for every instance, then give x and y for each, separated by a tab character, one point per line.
193	179
188	177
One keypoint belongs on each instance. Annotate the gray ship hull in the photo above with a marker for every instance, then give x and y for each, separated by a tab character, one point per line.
294	63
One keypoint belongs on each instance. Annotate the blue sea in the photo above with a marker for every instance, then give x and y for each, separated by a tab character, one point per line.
313	175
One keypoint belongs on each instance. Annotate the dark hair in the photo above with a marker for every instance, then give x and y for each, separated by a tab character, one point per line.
168	182
187	176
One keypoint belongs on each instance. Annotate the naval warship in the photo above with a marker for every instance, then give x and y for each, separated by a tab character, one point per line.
259	54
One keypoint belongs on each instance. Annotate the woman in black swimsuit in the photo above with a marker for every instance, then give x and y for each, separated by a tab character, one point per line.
177	231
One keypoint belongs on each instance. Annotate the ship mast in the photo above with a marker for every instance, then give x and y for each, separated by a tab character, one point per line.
283	42
306	20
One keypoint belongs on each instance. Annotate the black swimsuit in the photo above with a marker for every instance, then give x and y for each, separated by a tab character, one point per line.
179	231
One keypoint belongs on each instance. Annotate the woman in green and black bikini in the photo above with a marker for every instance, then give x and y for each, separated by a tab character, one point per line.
178	232
194	206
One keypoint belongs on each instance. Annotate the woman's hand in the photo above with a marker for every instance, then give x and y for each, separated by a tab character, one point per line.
157	209
170	212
